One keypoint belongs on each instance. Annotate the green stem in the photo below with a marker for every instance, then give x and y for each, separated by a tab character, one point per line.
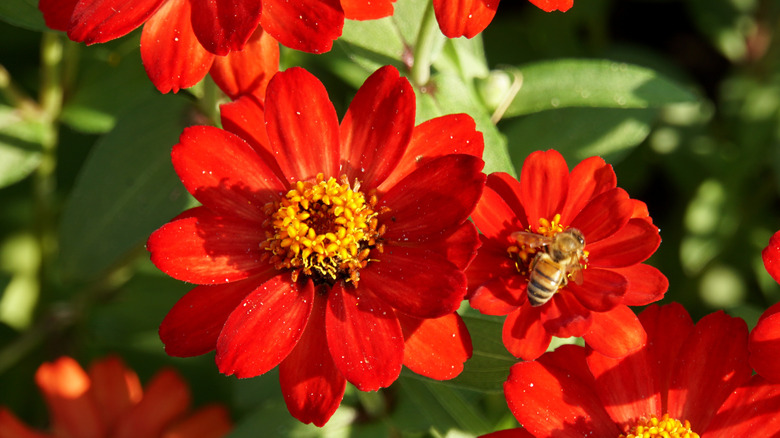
426	42
209	102
15	96
45	177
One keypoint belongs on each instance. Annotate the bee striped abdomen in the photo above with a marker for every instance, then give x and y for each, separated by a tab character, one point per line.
545	279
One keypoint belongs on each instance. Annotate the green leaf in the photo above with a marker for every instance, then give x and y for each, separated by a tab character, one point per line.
465	57
595	84
579	133
387	41
22	13
449	94
21	141
426	405
131	318
126	189
489	365
111	79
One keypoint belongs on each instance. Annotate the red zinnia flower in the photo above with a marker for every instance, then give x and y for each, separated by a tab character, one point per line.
182	37
109	402
470	17
598	280
695	379
332	250
765	337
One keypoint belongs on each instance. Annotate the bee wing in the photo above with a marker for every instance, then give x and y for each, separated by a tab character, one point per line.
575	272
531	240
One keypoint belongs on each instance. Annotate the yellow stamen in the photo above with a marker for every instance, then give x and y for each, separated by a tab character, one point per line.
549	228
664	427
323	229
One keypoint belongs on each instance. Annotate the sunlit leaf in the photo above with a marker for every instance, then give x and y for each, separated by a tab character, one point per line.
22	13
595	84
126	189
449	94
21	142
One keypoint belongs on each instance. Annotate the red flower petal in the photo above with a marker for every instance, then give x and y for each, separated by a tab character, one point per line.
590	178
564	316
172	56
312	385
464	18
203	248
765	345
57	13
523	333
667	328
98	21
264	329
377	126
508	188
435	348
460	247
604	216
307	25
493	263
640	210
433	199
553	5
616	333
192	326
12	427
601	289
509	433
367	9
302	125
245	117
451	134
633	244
496	297
166	398
247	71
235	182
646	284
771	256
115	388
364	338
65	387
750	411
546	399
544	185
415	281
495	218
224	25
707	369
627	386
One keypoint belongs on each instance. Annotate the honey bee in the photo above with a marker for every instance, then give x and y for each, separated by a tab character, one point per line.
558	258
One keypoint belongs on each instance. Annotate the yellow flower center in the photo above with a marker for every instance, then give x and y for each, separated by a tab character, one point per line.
664	427
324	229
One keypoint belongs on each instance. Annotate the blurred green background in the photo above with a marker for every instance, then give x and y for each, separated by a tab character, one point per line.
681	96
